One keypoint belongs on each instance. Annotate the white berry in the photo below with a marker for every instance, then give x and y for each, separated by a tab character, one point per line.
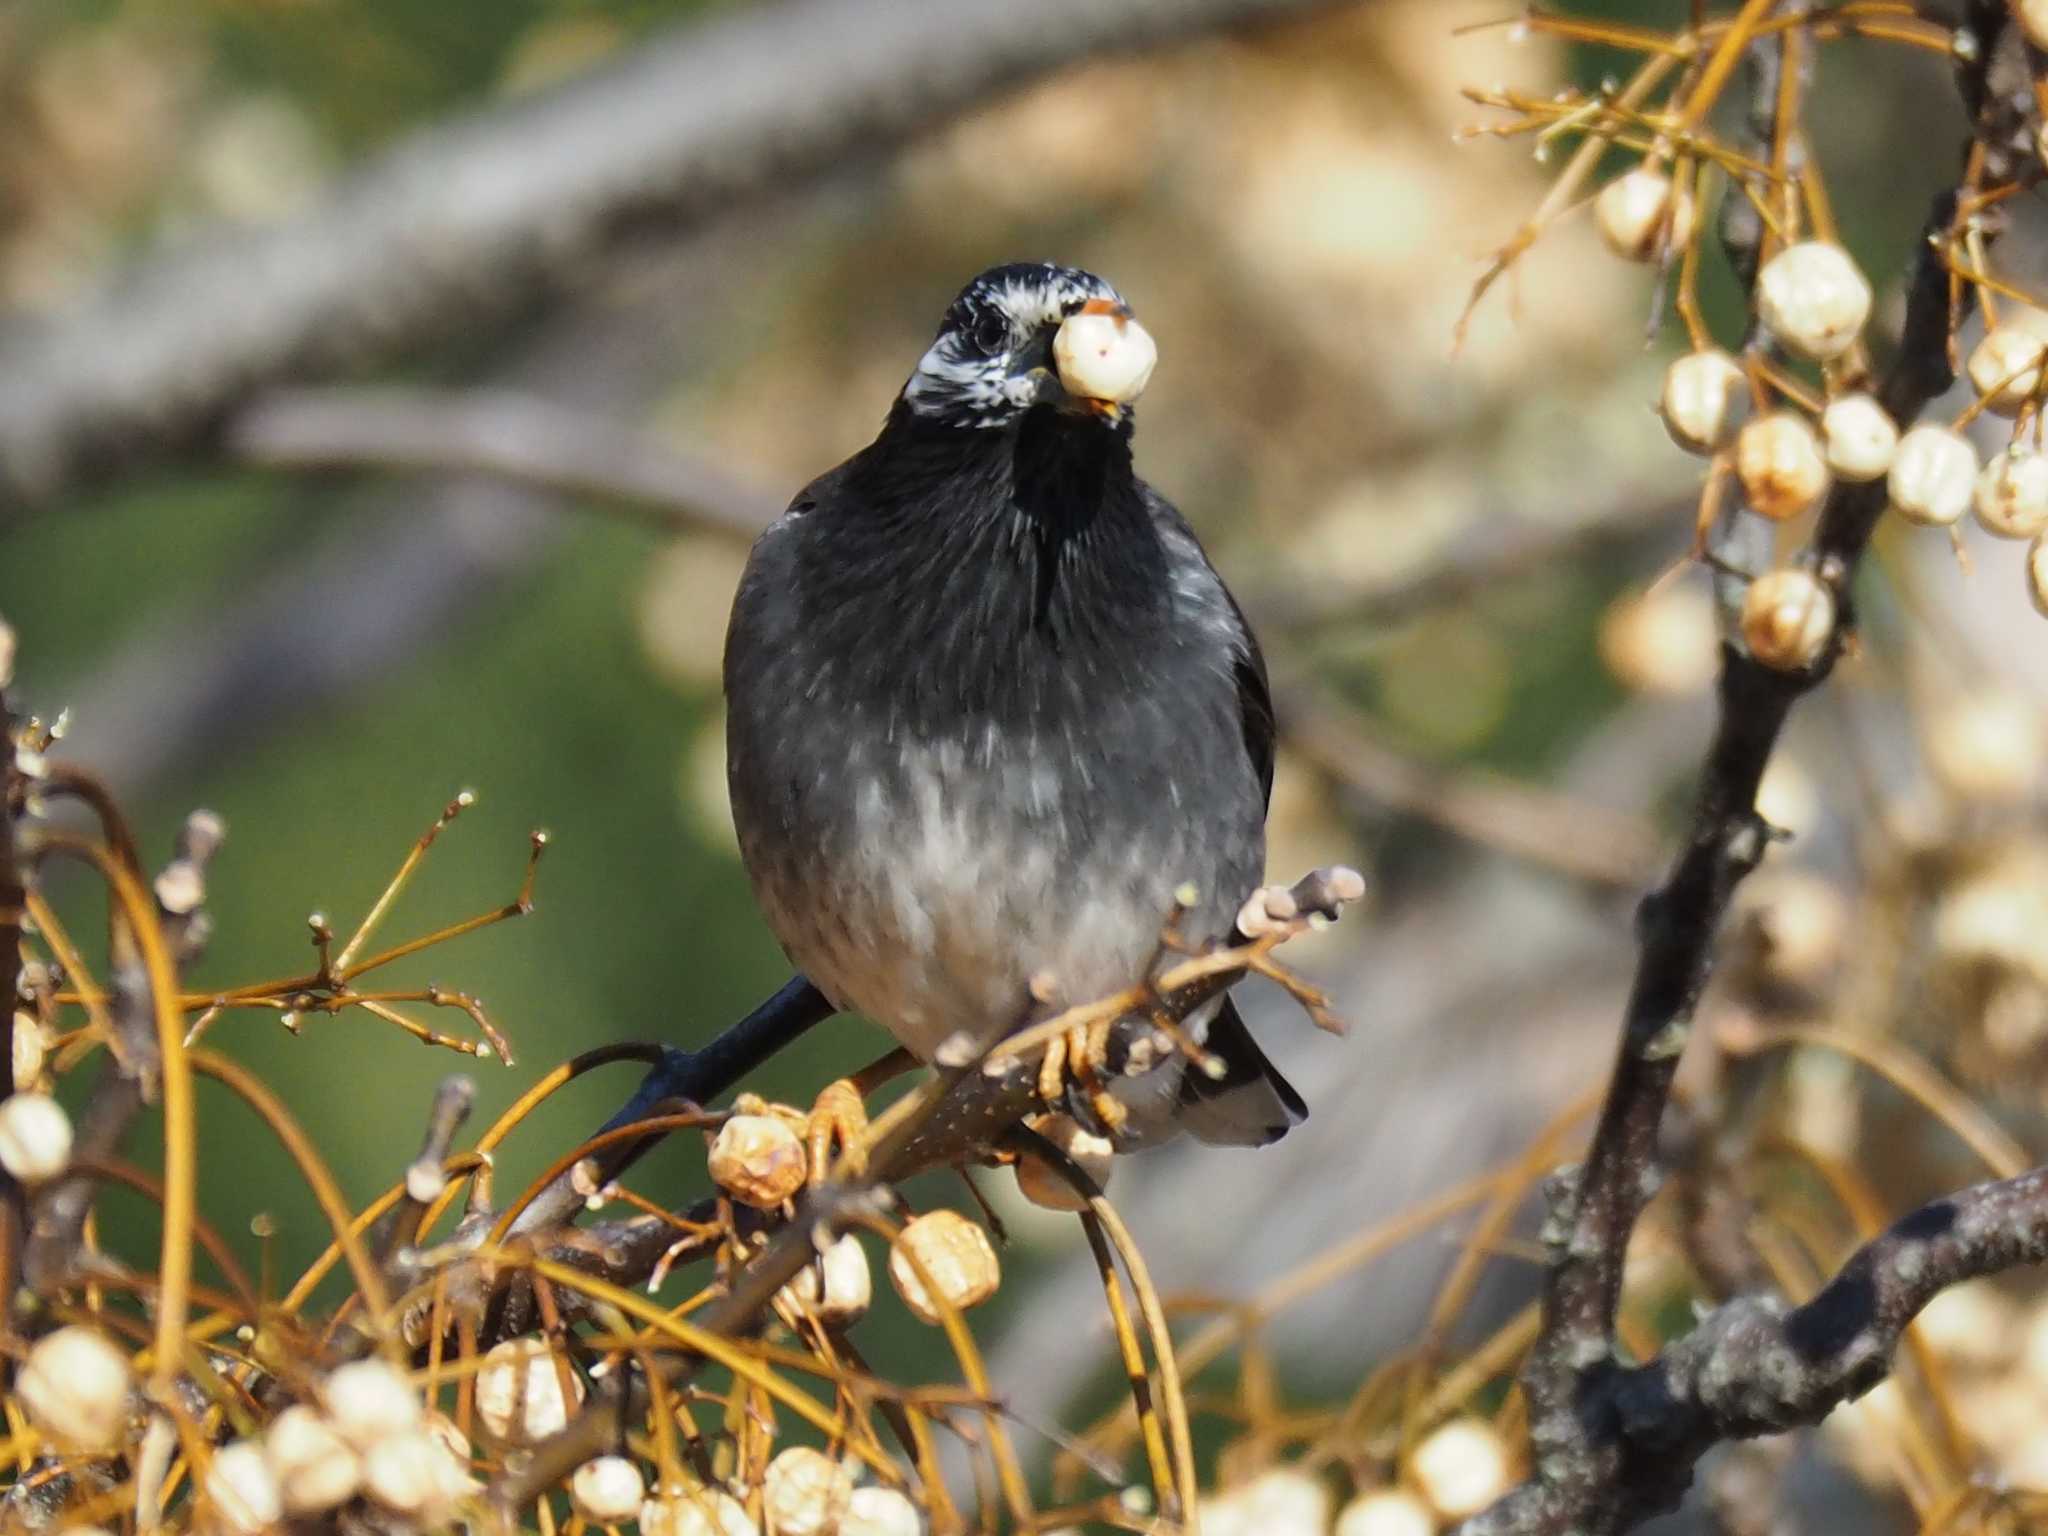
316	1469
1787	618
242	1489
1386	1512
696	1512
519	1391
1861	437
608	1491
1640	215
1813	298
74	1387
1704	400
758	1160
1779	462
1462	1467
835	1287
805	1493
1104	356
1933	476
880	1512
2012	495
369	1399
2005	367
35	1137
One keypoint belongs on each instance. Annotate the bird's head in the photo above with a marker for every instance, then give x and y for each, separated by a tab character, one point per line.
1032	334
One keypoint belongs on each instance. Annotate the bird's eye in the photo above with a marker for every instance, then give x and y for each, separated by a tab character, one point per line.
990	335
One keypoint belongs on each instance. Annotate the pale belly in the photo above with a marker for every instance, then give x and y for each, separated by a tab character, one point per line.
939	883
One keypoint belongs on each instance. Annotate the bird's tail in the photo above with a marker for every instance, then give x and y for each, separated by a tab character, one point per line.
1251	1104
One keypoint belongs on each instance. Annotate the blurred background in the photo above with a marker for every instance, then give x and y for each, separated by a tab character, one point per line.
315	620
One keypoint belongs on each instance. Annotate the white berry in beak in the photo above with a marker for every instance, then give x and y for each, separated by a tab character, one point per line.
1102	354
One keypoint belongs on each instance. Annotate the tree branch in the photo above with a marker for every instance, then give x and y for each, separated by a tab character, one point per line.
1605	1456
469	221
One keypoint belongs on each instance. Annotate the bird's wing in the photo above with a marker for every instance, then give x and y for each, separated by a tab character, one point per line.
1198	585
1251	1104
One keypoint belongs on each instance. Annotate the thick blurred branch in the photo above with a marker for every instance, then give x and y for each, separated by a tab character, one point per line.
469	220
499	432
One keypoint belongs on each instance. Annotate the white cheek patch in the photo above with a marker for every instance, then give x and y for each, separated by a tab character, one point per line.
978	389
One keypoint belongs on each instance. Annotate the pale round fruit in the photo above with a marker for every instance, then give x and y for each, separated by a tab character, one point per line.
2012	495
519	1391
1043	1185
35	1137
1788	617
1704	400
758	1160
2005	367
1461	1467
1814	299
1861	438
955	1253
1933	476
1778	460
74	1387
1104	356
608	1490
1641	214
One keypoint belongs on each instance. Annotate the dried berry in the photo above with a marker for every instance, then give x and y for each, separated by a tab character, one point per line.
2011	496
759	1160
880	1512
956	1255
696	1512
1787	617
242	1489
1386	1512
1779	462
369	1399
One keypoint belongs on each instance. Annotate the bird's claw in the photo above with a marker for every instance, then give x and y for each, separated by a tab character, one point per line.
838	1114
1070	1077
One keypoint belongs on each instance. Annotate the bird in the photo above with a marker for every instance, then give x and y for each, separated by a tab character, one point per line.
992	715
